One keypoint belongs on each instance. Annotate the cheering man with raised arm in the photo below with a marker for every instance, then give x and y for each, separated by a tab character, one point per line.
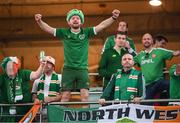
75	40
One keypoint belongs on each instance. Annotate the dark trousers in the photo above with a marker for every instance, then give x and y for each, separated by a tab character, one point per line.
156	87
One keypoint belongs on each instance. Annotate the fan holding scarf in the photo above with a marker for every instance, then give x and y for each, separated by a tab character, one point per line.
15	87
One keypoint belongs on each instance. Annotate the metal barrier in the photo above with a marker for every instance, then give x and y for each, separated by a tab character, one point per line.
115	101
96	74
18	105
95	102
87	103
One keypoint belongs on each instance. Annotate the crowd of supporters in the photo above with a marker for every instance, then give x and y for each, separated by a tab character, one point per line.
121	79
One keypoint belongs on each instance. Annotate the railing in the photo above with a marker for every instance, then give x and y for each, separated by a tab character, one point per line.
96	74
39	114
96	102
115	101
85	103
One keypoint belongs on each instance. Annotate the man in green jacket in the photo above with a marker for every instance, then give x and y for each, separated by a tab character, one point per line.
110	59
110	41
126	84
15	87
174	73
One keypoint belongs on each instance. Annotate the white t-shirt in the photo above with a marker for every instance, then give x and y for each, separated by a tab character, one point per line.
46	85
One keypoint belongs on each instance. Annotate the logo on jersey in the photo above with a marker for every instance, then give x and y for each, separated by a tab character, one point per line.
153	55
114	55
82	36
147	61
118	76
143	57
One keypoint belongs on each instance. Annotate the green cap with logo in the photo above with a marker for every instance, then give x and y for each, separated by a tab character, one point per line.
75	12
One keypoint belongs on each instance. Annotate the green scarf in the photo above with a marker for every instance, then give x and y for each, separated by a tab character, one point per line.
14	89
131	86
54	86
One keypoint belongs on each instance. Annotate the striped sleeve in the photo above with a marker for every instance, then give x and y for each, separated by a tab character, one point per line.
109	89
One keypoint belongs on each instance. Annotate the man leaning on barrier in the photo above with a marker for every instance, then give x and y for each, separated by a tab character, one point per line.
15	88
126	84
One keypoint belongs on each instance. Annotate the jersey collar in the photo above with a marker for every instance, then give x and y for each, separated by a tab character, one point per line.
149	51
75	32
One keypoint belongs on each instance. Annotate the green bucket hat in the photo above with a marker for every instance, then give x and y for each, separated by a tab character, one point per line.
75	12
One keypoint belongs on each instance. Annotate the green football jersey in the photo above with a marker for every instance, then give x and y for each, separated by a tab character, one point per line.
152	63
75	46
110	42
174	83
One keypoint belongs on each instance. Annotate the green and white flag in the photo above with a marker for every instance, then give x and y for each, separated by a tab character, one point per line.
119	113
